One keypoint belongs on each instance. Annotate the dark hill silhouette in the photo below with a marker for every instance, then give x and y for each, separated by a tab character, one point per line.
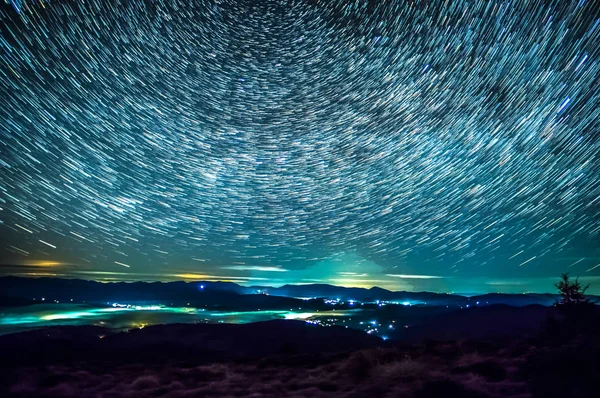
488	322
217	295
372	294
14	301
200	342
516	299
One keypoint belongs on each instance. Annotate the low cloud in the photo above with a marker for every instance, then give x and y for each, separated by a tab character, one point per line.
404	276
254	268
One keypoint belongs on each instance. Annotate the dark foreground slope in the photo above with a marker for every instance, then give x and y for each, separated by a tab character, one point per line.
198	342
489	322
520	368
294	359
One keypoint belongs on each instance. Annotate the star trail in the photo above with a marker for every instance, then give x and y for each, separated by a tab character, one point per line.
255	139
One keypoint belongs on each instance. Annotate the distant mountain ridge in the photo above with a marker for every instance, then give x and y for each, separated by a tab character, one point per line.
228	293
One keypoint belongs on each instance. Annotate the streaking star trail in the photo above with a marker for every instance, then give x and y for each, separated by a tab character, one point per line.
451	139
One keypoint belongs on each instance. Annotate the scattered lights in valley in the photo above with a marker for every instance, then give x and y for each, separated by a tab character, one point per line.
248	140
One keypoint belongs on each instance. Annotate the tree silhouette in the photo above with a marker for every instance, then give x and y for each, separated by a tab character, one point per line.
571	292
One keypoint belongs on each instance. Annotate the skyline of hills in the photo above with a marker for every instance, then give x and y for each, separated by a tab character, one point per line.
228	294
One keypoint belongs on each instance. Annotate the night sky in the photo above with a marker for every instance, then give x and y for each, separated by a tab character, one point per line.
424	145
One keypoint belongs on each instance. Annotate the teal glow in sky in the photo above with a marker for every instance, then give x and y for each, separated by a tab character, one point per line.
408	145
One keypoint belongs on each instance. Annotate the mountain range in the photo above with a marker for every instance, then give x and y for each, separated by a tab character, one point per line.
232	295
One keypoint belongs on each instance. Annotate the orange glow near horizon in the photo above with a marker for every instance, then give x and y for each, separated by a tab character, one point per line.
42	263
